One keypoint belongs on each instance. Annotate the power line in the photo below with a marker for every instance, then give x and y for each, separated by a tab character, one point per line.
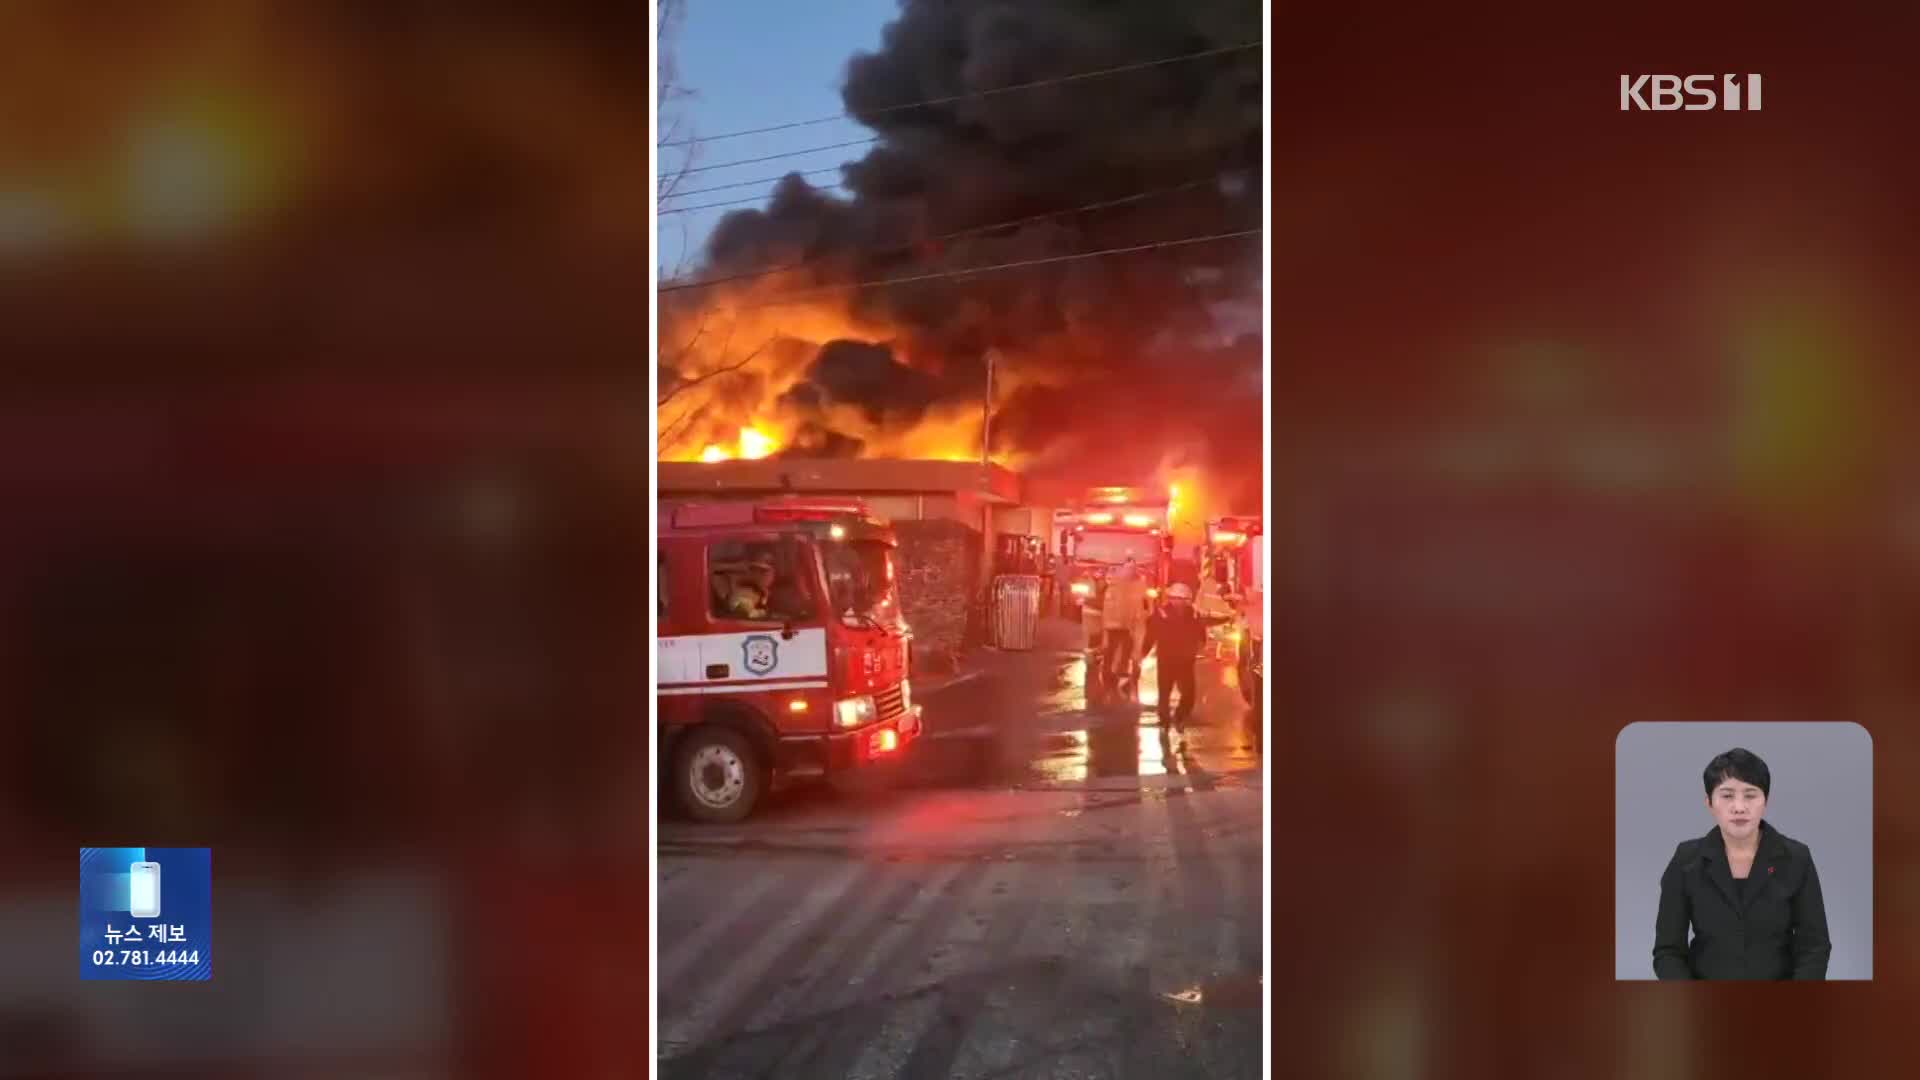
776	157
732	202
748	183
989	227
1184	241
971	95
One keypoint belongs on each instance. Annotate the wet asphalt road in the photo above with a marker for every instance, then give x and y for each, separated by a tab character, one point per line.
1036	891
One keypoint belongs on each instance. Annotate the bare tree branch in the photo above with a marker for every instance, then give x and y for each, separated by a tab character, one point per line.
671	433
687	349
680	264
672	15
724	369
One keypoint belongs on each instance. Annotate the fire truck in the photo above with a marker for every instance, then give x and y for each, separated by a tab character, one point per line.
1111	525
1233	580
782	651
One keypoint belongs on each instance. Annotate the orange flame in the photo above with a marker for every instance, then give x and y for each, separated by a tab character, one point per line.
1193	498
740	359
753	445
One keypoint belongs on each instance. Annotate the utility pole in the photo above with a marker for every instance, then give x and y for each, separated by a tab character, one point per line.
986	481
986	416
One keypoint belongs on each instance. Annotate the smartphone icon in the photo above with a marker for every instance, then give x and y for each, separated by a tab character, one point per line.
143	879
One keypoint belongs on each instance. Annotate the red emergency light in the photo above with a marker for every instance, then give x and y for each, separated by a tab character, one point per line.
1235	530
1124	516
712	515
813	508
799	513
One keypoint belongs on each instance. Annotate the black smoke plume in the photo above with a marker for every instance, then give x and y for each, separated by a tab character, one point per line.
1152	345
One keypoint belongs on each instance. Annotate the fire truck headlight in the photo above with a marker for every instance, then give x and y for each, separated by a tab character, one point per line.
1083	588
1153	594
1139	521
854	711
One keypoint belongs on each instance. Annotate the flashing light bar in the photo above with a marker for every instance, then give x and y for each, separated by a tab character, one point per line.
842	518
840	513
799	513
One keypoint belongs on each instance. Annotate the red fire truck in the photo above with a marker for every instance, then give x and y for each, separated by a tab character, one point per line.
782	652
1233	581
1111	525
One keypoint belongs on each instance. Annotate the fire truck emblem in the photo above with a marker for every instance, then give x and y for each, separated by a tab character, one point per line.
760	654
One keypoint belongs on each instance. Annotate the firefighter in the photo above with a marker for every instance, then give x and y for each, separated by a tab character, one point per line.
1179	632
1122	615
743	594
1091	632
1062	585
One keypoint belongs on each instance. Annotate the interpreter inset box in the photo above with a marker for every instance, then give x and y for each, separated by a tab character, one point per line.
1743	851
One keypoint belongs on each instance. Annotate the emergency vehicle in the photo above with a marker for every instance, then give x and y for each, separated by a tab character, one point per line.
1111	525
1233	577
782	651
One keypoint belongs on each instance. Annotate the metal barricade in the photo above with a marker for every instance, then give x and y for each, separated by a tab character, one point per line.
1014	614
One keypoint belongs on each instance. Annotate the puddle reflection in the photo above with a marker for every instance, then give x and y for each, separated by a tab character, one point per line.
1106	751
1119	741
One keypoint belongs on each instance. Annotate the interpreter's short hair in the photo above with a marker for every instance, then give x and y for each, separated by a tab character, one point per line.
1737	764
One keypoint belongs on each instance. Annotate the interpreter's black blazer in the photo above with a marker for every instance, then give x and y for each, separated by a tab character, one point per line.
1778	932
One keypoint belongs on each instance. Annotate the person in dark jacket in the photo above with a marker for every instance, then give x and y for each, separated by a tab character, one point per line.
1750	893
1179	632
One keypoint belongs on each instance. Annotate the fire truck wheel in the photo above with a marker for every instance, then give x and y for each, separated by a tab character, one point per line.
717	775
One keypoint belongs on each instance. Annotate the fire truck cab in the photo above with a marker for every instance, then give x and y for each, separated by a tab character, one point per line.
1112	525
1233	581
782	652
1225	558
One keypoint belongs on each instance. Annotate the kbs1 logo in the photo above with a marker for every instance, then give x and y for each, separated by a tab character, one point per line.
1694	93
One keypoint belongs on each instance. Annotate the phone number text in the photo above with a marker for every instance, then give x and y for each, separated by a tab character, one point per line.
144	957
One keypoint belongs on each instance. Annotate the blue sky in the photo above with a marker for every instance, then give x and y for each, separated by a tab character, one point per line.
753	63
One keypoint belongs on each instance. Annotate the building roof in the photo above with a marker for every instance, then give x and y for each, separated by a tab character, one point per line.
993	483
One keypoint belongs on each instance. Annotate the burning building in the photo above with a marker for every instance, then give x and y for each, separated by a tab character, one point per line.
1060	268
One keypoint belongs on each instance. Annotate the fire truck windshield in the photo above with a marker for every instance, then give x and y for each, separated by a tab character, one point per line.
860	576
1113	548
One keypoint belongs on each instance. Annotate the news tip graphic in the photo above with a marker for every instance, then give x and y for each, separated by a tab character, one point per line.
146	914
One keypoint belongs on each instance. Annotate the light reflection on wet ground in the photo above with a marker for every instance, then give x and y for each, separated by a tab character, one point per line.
1041	890
1036	729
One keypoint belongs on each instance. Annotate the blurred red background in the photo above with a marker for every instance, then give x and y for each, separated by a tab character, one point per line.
1581	417
323	514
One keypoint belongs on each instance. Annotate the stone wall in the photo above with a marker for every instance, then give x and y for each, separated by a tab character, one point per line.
939	577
